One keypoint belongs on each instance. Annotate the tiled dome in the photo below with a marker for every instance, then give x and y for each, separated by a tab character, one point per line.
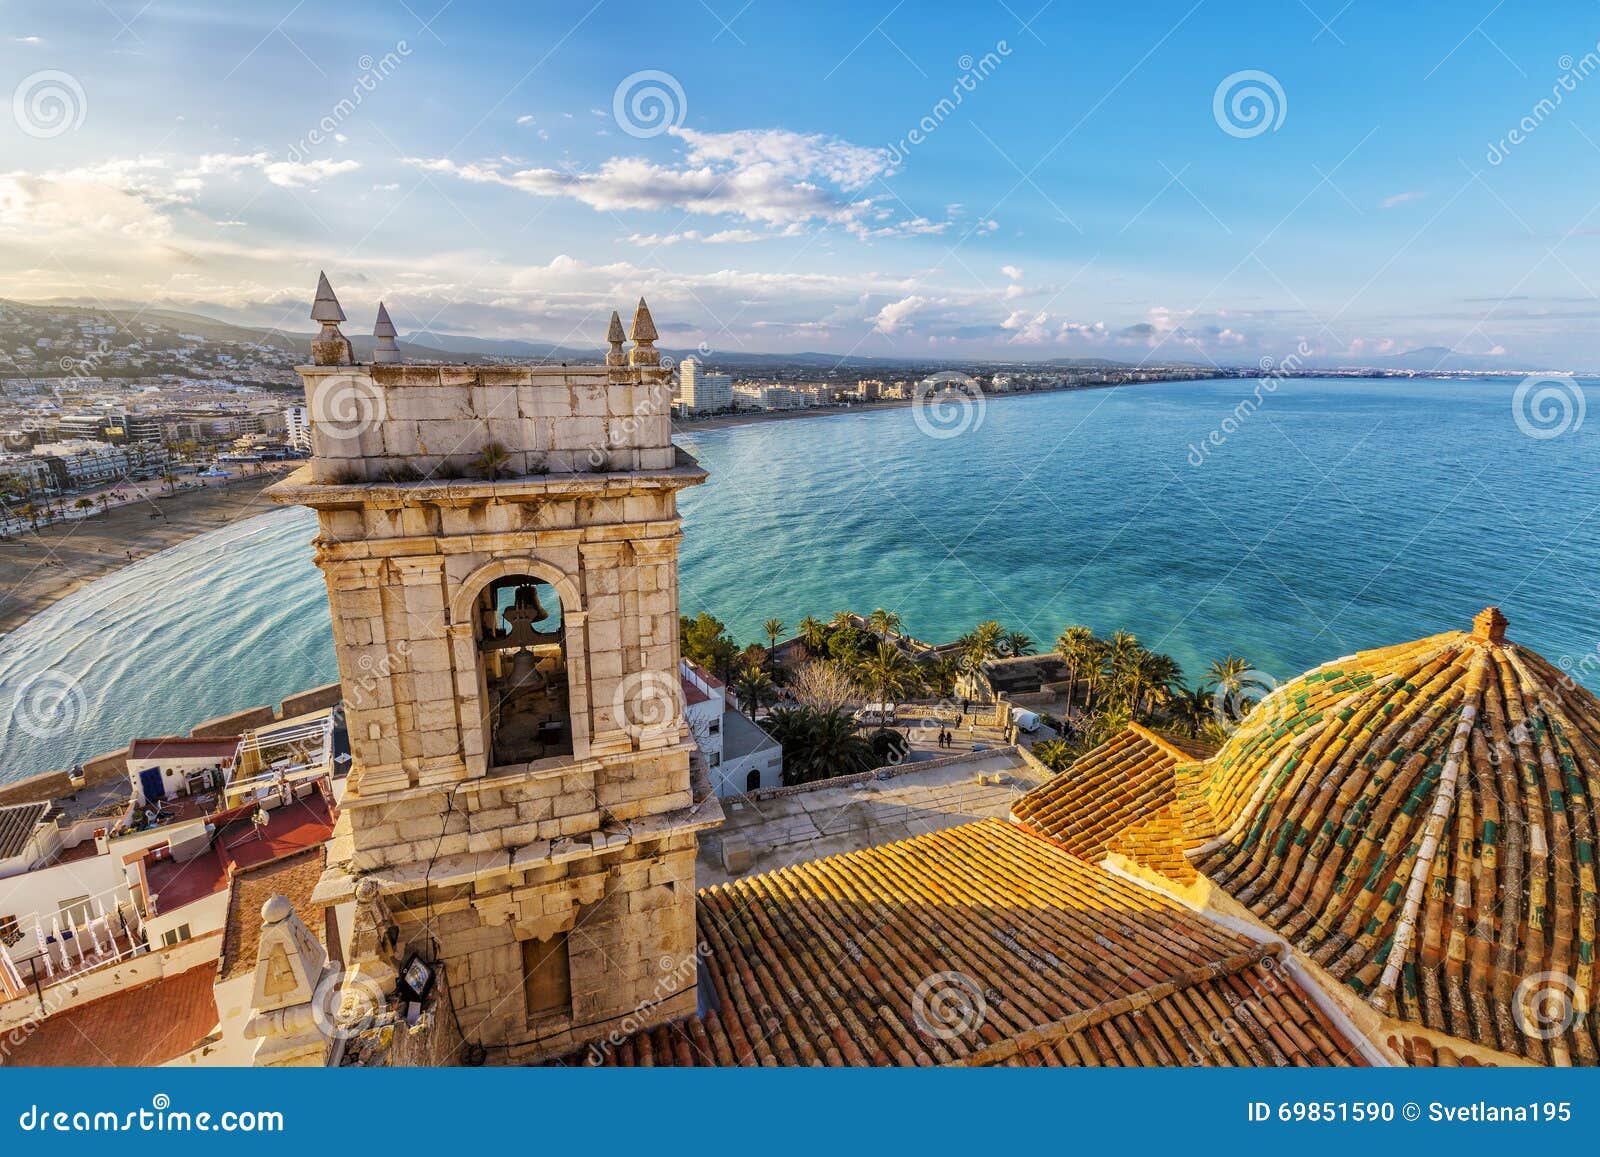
1420	820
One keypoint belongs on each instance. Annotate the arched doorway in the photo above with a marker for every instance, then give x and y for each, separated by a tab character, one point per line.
752	782
522	655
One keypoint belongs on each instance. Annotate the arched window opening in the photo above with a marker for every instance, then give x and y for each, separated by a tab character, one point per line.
523	654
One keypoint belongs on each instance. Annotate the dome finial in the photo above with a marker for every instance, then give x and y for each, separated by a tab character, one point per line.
1489	626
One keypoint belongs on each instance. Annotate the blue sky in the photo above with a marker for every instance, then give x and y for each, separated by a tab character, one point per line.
1085	196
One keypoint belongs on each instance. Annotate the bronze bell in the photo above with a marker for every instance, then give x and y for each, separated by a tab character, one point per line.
527	601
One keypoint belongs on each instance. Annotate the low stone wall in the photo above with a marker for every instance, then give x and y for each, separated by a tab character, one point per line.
112	766
887	771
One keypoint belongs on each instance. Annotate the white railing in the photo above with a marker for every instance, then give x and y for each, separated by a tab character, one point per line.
55	946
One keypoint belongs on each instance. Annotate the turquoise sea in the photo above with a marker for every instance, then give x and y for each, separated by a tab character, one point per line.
1338	515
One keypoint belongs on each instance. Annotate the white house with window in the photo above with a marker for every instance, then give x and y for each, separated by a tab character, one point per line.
742	757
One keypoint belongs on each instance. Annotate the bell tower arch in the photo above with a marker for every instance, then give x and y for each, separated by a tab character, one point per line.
500	545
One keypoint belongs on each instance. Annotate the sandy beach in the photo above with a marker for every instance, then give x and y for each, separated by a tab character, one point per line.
39	567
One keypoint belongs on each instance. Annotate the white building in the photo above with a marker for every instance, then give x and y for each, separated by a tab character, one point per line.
703	393
743	758
297	427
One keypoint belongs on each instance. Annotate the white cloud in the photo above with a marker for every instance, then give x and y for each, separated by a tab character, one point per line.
772	176
721	237
284	174
1012	272
895	316
1401	198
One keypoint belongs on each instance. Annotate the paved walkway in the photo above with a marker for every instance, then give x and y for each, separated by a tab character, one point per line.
825	820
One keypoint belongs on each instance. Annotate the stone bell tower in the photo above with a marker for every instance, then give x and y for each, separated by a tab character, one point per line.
501	549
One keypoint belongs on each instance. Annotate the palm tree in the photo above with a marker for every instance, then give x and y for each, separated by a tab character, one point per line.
981	643
939	673
1056	754
883	623
772	628
888	672
1194	710
1226	676
1096	669
1017	643
1074	645
818	744
755	689
492	461
814	633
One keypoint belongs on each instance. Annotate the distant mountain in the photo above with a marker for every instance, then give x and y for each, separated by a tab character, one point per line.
1444	359
547	352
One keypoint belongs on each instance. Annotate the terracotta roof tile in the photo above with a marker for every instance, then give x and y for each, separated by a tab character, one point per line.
293	876
1125	781
1031	955
1420	820
148	1025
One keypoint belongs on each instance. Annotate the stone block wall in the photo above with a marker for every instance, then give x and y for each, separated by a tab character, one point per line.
629	919
381	422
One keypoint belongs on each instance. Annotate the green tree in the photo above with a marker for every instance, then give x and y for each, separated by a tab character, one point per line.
755	689
883	623
1226	676
705	641
1056	754
1017	643
887	672
818	744
1075	645
1194	710
814	634
772	628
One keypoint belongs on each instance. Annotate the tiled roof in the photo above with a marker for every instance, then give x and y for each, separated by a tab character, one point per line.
16	827
293	876
1420	820
1125	781
184	747
148	1025
978	944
